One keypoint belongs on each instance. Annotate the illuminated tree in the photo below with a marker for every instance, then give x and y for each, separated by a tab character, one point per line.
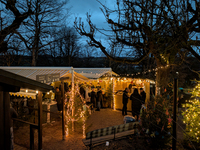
191	115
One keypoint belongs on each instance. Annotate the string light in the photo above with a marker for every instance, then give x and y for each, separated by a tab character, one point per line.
80	114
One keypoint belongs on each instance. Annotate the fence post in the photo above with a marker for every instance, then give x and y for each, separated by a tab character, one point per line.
174	114
31	137
39	120
63	109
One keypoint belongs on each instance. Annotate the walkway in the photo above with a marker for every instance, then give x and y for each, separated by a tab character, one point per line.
52	134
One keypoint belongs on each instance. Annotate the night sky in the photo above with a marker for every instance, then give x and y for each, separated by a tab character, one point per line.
79	8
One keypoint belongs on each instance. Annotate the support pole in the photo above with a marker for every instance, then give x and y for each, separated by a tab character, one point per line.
174	114
4	120
63	109
39	120
31	137
72	72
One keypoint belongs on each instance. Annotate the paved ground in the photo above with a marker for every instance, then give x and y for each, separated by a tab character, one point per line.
52	133
104	118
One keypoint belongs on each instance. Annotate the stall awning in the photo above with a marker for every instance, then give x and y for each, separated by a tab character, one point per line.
24	94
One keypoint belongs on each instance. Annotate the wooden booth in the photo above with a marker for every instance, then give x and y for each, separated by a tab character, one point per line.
10	82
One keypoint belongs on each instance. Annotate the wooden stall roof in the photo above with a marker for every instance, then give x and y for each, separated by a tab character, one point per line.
8	78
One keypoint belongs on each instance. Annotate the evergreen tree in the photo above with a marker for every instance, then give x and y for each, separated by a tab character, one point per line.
191	115
156	121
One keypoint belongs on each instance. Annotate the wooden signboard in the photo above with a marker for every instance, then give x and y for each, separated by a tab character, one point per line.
47	78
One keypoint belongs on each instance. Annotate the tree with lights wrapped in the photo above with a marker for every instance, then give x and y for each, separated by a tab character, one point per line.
191	115
81	110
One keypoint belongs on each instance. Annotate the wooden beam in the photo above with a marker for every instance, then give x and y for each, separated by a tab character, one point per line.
63	108
5	120
39	98
9	88
23	82
1	121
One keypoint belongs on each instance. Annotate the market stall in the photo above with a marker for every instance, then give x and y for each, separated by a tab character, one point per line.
121	83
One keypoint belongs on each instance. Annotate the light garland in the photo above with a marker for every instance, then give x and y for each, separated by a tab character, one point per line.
80	114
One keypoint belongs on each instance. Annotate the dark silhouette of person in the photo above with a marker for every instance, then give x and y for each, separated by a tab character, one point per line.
58	98
143	95
125	101
93	97
136	103
99	99
82	91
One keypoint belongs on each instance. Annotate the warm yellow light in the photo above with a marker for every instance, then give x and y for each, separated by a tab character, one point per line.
48	93
67	132
37	92
26	91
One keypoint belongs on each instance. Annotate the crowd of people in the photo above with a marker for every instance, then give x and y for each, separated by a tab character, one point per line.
137	101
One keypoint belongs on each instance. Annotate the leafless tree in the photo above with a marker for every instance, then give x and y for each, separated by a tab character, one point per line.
12	14
163	29
66	45
35	30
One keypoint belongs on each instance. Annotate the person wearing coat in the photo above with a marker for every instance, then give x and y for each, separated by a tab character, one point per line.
143	95
125	101
58	98
99	99
93	97
136	103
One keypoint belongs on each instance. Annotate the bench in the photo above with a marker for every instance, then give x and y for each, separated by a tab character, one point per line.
110	133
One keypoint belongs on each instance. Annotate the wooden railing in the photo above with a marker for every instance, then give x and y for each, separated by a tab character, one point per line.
32	127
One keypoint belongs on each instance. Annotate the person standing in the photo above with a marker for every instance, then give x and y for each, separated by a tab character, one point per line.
143	95
136	103
82	90
99	99
93	97
13	114
125	101
58	98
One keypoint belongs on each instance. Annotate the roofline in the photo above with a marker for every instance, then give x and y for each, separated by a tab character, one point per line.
93	69
23	82
21	67
58	68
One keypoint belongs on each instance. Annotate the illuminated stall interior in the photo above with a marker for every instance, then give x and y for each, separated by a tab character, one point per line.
120	83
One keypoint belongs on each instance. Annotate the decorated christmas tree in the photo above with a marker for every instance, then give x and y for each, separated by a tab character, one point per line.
156	121
78	106
191	115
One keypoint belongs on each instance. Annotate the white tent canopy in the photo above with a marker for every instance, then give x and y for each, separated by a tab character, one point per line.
82	73
31	72
95	73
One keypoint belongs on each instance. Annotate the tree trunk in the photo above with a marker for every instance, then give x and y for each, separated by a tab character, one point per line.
33	63
162	78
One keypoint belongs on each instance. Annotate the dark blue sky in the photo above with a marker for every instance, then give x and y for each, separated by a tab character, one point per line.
79	8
